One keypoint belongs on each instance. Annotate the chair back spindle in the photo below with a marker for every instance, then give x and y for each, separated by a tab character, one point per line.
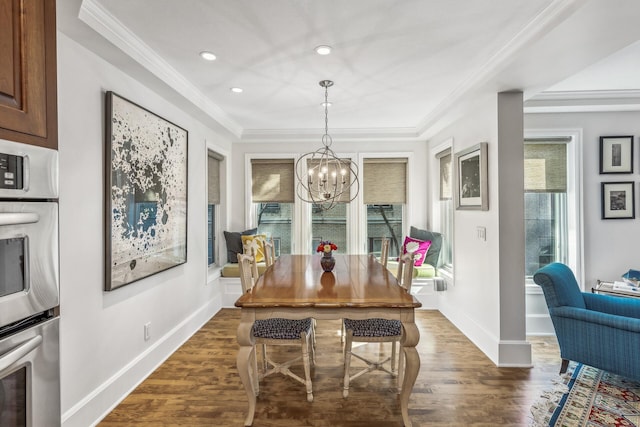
384	252
405	270
269	252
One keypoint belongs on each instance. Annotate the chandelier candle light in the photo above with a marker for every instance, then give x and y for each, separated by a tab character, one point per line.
323	178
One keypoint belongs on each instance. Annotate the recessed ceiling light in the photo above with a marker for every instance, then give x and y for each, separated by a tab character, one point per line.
236	89
326	104
323	50
209	56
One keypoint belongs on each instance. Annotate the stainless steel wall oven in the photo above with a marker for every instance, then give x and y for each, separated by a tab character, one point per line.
29	286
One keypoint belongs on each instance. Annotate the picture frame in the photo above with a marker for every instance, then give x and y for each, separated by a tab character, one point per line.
616	154
471	178
618	200
145	193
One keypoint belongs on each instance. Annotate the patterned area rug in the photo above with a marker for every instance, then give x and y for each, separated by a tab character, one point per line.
588	397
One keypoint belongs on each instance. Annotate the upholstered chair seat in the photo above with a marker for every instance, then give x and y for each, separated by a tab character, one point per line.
281	329
374	327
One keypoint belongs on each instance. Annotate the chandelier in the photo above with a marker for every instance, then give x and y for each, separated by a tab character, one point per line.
323	178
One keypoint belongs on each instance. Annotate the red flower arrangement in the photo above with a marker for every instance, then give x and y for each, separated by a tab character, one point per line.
326	247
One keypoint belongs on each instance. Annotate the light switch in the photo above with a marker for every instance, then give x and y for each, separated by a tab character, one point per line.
482	233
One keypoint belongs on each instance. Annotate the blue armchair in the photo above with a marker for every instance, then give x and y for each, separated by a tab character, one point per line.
602	331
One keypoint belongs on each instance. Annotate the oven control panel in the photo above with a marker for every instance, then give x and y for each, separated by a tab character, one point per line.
11	171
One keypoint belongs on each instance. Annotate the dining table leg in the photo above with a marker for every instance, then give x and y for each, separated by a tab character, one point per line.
245	362
411	337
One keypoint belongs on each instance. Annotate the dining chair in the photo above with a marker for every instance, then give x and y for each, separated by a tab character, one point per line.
278	331
377	330
384	257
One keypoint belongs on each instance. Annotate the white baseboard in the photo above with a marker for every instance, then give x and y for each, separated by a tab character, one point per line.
93	408
503	353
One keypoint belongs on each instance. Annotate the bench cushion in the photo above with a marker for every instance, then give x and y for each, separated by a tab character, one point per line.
233	270
425	271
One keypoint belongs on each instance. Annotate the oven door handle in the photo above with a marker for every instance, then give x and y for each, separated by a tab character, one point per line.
16	218
8	359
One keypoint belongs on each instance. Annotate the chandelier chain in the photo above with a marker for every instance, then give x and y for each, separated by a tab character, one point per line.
326	115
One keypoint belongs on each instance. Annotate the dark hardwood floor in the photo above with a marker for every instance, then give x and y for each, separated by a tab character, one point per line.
457	384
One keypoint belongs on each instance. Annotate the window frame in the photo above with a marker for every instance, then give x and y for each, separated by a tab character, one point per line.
363	242
356	212
437	209
213	269
251	219
575	232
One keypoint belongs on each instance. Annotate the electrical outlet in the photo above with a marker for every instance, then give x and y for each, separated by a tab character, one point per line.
147	331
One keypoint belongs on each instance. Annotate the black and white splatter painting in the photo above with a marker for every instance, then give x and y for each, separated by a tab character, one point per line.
146	193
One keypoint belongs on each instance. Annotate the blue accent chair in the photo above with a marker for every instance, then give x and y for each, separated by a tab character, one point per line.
602	331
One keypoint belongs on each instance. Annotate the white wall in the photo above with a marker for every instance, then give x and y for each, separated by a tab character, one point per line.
484	269
103	352
609	245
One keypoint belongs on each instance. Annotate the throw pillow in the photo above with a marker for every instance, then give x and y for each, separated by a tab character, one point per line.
257	241
234	243
433	254
420	253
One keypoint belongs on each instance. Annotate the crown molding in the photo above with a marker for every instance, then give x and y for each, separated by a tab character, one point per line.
537	27
583	101
588	94
96	17
310	135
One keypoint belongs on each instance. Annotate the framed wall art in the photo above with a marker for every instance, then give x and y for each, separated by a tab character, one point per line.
616	154
471	178
145	193
618	200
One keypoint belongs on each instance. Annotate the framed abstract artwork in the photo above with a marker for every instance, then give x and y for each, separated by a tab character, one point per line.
145	193
616	154
618	201
471	178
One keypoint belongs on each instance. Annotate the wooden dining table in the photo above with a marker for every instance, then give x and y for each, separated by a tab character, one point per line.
296	287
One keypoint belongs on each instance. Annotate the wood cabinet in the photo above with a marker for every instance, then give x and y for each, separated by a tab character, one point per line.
28	98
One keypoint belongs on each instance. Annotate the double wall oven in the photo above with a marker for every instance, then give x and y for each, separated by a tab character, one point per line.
29	286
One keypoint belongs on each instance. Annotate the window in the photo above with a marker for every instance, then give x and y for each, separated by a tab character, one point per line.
272	193
546	203
385	191
446	207
213	201
329	225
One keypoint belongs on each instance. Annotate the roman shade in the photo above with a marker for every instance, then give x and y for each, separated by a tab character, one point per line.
385	181
272	180
213	178
445	174
545	165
